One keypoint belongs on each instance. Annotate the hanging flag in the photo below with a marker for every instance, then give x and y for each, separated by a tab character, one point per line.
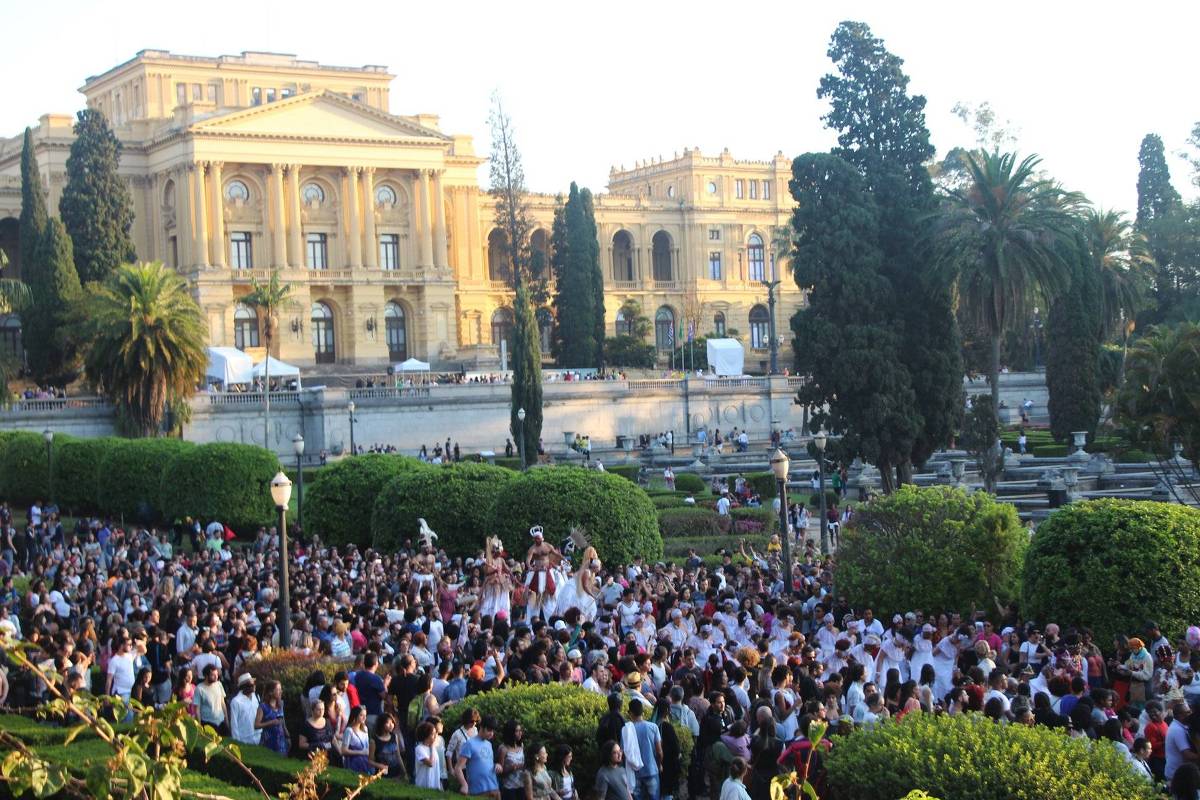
671	336
691	330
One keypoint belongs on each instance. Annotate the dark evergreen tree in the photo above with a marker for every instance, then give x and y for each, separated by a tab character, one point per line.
96	206
882	133
597	280
1074	336
1156	196
1169	228
55	291
527	374
558	258
574	299
846	339
33	205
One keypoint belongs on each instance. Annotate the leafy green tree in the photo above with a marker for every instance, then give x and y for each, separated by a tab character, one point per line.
54	291
1156	196
14	296
527	376
981	438
597	278
146	344
96	205
881	131
270	298
1002	239
1073	341
1159	403
1121	257
574	336
33	204
628	351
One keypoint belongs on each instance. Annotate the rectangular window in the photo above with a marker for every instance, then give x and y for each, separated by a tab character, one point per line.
174	248
714	265
270	95
197	92
739	188
240	253
256	96
286	92
389	251
753	190
212	93
181	94
318	251
766	190
714	234
358	97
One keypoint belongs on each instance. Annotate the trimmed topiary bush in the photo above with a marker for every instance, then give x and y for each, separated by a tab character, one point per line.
23	475
618	516
763	484
669	501
509	463
76	467
131	477
225	481
690	483
968	757
339	502
814	501
1112	565
690	521
451	499
627	471
937	549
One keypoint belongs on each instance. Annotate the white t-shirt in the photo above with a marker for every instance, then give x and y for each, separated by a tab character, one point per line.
723	506
1177	745
120	667
1003	699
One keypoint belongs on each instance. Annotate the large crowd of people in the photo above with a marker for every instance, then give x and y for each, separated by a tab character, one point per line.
745	655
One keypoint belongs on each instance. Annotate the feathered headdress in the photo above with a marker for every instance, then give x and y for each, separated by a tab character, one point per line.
425	535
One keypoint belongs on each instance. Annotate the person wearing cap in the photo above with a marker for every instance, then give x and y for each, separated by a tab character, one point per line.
243	710
631	688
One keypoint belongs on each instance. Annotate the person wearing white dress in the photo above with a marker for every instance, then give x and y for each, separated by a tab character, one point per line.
945	658
922	652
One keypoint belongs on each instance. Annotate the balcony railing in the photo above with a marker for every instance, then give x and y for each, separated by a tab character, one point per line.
654	384
252	398
388	392
756	383
500	286
666	286
247	275
625	286
53	405
796	381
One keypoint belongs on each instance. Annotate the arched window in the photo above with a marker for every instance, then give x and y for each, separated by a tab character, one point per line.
622	256
397	332
169	194
719	324
754	248
502	325
385	196
498	256
312	194
545	322
539	253
760	328
661	244
664	329
322	333
235	192
245	327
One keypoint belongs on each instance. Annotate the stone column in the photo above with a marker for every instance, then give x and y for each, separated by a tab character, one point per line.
353	225
440	255
200	220
425	232
371	254
295	230
278	229
217	245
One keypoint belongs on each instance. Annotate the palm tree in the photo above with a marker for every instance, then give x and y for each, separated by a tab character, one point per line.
268	298
145	344
1122	259
1160	401
1000	238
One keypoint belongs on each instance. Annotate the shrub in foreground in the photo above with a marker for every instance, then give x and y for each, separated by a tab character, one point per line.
1112	565
225	481
339	502
690	483
76	471
690	521
23	473
130	481
968	757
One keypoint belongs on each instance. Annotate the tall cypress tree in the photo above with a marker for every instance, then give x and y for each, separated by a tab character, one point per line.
597	270
574	296
96	206
1161	219
1156	196
33	205
1073	341
54	287
527	374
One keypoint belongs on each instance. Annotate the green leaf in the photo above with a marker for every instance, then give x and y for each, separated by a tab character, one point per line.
74	733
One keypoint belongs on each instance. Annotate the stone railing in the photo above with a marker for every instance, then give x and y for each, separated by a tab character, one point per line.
654	384
666	286
247	275
500	286
388	392
251	398
625	286
796	382
738	382
54	405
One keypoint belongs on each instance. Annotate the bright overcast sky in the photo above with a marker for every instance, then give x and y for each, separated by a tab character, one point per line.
593	85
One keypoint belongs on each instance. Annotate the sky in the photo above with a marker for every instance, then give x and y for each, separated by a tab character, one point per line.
590	86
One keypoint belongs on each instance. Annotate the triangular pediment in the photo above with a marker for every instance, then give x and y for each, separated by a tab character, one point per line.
319	115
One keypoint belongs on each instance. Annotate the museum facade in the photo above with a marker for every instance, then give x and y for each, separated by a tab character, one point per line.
240	165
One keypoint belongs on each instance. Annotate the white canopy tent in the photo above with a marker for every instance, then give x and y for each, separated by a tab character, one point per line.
278	369
412	371
726	356
228	365
412	365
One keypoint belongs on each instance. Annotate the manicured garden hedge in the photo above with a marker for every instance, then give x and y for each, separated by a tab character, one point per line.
513	463
969	757
23	475
1112	565
938	549
627	471
226	482
669	501
76	470
763	484
450	498
690	483
339	502
691	521
131	477
618	517
754	520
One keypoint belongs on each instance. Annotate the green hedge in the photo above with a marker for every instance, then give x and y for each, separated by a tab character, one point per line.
763	484
76	470
690	522
23	475
968	757
509	463
618	517
676	547
131	476
1051	450
225	481
754	521
450	498
1112	565
933	548
629	472
814	501
339	502
690	483
669	501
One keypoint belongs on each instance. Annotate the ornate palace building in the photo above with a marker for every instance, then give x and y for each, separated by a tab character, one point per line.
239	165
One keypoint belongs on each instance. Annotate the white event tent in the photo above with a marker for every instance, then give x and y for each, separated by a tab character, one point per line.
726	356
228	366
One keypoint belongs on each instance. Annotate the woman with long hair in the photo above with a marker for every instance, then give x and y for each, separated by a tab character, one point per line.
511	758
356	743
270	721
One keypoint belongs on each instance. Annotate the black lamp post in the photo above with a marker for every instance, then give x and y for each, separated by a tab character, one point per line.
281	493
350	406
774	339
48	435
780	464
298	448
521	436
820	440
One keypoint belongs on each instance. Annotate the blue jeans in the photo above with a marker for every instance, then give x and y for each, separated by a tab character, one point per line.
647	788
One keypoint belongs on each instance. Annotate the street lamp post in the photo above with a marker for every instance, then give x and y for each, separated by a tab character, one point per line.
281	493
780	466
298	448
48	435
1037	335
353	452
820	440
521	436
774	339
